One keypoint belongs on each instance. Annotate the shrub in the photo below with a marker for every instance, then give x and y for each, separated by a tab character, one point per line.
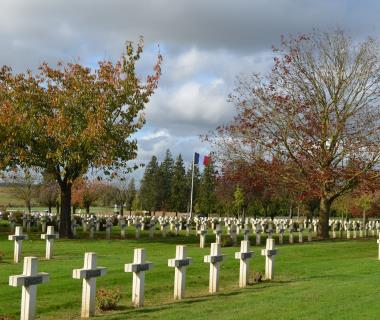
107	299
226	241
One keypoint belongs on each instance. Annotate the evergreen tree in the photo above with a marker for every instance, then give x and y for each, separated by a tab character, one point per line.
206	198
131	193
165	178
179	187
149	191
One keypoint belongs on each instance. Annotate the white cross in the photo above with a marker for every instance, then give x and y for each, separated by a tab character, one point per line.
246	232
180	262
214	259
138	230
138	268
49	236
244	255
89	273
29	281
202	236
18	237
269	252
218	234
378	241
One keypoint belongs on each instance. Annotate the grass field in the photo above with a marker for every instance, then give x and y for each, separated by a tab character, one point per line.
319	280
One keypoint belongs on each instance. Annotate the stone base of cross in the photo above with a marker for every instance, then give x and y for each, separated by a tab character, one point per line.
244	255
138	268
269	252
89	273
180	263
29	281
49	237
214	259
18	237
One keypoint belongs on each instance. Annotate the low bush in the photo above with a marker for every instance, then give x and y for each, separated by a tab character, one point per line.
107	299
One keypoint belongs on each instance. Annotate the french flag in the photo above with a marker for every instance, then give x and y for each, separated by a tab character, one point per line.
206	159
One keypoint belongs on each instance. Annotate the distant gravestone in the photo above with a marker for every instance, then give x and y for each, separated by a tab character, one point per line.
180	263
89	273
202	236
29	281
138	268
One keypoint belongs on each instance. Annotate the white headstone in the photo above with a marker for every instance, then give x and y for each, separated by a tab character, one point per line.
269	252
138	268
244	255
180	263
214	259
18	237
89	273
29	281
49	236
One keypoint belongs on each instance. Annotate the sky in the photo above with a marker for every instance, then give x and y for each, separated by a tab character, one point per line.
205	45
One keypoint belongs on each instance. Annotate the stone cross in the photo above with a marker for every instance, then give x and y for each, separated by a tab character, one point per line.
122	227
281	235
138	268
152	226
89	273
180	262
18	237
246	232
214	259
310	234
202	236
218	233
233	235
108	228
29	281
188	228
176	228
28	223
291	229
300	237
244	255
164	228
378	241
258	236
49	237
74	227
138	230
269	252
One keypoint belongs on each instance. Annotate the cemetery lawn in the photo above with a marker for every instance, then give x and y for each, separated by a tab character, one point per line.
319	280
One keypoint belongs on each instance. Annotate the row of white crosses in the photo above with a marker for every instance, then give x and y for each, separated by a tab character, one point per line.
18	237
90	272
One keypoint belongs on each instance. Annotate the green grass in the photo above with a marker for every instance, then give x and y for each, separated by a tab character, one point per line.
319	280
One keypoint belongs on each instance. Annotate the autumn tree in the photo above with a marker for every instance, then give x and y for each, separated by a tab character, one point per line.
85	192
47	191
69	118
316	111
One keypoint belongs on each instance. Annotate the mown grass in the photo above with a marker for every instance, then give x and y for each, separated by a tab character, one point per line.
319	280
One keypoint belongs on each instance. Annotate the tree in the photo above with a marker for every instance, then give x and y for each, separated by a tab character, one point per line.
149	190
48	191
238	199
316	112
179	187
85	193
69	118
131	194
165	178
23	187
206	199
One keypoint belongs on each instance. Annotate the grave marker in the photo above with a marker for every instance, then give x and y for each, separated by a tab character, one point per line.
18	237
180	263
49	236
214	259
244	255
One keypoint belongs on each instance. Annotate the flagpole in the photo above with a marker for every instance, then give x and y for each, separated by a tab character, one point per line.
192	187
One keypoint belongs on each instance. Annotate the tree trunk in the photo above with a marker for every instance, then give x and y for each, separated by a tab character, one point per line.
49	207
65	216
87	208
324	213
